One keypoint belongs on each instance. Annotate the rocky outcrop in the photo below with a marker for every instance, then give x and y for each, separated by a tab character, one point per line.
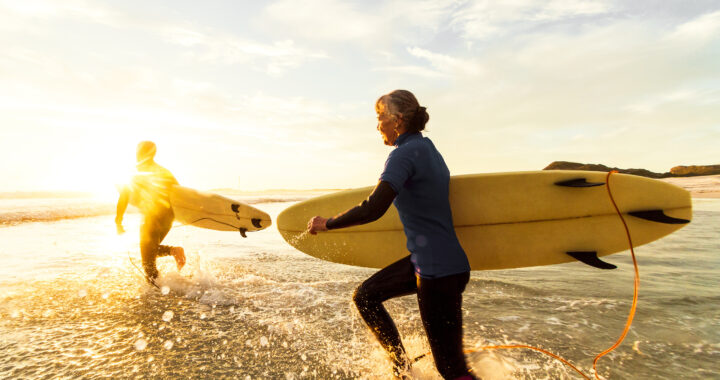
695	170
678	171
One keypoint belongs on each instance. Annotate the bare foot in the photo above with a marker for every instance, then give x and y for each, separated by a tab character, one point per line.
179	255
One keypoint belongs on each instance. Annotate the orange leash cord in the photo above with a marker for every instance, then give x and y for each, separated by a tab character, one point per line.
636	286
627	324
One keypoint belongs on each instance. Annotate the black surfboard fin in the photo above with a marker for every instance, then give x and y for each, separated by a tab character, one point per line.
256	222
658	216
591	258
235	208
578	182
242	232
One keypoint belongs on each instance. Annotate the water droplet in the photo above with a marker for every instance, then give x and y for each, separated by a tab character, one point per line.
140	344
421	240
105	295
203	316
232	309
248	343
168	344
168	316
165	290
264	341
82	293
285	344
225	341
303	357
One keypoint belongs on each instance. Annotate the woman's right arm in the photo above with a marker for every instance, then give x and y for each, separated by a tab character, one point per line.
368	211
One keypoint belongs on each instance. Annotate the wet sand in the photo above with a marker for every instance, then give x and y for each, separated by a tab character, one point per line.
699	187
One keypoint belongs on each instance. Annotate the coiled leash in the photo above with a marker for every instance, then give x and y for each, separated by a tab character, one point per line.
627	324
148	278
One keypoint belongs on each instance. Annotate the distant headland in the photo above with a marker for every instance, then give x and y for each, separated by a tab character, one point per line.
677	171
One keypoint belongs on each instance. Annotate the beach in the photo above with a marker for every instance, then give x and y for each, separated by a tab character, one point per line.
73	304
699	187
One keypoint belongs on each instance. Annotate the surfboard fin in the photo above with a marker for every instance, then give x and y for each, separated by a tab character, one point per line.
235	208
658	216
578	182
256	222
591	258
242	232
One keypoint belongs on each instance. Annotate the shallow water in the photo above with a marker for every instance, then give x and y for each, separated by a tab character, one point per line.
74	305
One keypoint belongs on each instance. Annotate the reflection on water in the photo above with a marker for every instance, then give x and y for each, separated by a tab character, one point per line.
72	305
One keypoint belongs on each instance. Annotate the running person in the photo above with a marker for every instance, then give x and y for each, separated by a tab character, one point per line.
416	180
150	189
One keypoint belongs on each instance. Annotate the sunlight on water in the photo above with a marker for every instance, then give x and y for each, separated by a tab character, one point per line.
73	305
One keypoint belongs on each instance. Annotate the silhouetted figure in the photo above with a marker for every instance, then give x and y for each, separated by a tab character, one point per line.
150	192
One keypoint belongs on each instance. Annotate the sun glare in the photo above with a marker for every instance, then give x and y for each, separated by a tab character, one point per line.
99	175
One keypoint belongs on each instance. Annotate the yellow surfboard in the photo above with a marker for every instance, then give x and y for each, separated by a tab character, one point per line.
215	212
508	220
211	211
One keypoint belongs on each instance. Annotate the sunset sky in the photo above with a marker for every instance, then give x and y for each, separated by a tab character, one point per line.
280	94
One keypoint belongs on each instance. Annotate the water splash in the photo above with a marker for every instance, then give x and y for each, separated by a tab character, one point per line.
140	344
168	316
298	238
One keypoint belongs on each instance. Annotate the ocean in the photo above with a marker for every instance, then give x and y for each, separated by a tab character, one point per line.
73	304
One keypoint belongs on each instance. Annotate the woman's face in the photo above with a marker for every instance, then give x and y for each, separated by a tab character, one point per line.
387	125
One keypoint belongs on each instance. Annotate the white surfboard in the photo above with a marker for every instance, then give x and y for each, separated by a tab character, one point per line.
508	220
215	212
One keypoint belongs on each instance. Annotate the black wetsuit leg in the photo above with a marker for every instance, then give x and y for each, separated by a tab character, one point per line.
395	280
153	230
440	302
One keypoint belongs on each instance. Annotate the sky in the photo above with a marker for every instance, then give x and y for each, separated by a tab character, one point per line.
280	94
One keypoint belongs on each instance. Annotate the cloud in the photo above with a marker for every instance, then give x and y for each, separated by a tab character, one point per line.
687	97
324	19
202	44
342	21
446	64
601	91
704	28
222	48
481	20
412	70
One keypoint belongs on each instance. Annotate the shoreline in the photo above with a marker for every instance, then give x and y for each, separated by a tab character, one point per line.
699	187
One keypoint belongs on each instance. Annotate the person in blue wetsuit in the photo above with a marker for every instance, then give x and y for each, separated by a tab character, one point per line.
416	180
